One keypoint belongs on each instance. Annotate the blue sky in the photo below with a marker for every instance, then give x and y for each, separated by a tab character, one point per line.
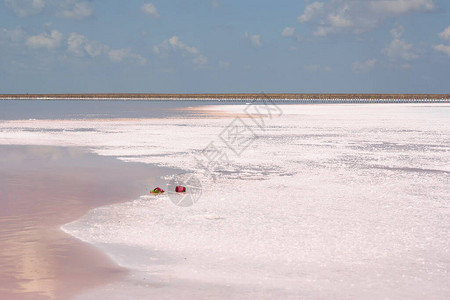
202	46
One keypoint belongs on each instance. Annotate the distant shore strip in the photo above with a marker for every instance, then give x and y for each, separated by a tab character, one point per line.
287	98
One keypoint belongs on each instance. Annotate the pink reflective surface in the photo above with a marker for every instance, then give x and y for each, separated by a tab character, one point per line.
42	188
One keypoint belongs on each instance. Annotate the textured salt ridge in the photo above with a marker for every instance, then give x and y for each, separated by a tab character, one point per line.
353	204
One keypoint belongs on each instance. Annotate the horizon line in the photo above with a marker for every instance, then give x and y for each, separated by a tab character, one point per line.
225	96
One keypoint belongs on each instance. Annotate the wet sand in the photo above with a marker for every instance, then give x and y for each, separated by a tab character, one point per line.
42	188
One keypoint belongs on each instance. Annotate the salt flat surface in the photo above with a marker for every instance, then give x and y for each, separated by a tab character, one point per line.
324	202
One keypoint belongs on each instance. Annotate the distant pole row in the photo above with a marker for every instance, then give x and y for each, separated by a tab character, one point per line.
247	98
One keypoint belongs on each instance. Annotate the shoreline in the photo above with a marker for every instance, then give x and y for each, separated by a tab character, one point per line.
222	248
43	188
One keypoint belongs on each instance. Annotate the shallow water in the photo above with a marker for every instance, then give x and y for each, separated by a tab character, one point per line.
42	188
97	109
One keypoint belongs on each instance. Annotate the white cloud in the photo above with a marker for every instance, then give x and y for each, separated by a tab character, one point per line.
45	40
365	66
442	48
25	8
398	48
75	10
256	40
119	55
323	31
94	48
13	35
288	31
79	45
334	22
398	31
352	16
139	59
156	50
396	7
445	35
69	9
76	43
150	10
311	11
200	60
339	20
174	44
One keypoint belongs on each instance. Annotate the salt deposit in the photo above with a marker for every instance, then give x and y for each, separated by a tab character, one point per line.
318	202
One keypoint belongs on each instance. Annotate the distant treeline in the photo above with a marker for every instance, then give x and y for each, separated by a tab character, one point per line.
274	96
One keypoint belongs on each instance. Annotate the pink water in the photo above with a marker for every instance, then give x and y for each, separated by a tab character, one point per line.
42	188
